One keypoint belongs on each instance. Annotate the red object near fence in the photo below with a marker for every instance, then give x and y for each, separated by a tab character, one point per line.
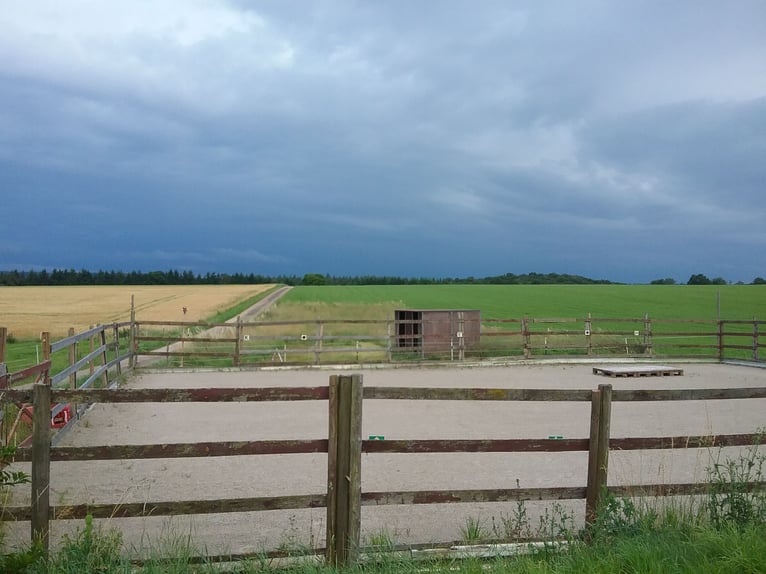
58	420
62	417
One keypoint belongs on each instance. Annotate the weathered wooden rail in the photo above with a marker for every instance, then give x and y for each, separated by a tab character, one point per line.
344	446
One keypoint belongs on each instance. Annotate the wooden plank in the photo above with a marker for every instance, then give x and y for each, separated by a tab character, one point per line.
238	341
688	394
475	445
187	324
637	371
171	339
348	456
321	393
476	394
22	395
598	458
180	450
116	348
501	334
591	495
313	350
28	372
73	339
172	508
604	429
673	442
331	529
41	467
457	496
100	372
342	473
184	354
191	395
676	489
73	368
133	344
355	471
3	339
732	334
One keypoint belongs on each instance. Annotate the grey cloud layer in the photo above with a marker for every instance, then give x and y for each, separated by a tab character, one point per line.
517	136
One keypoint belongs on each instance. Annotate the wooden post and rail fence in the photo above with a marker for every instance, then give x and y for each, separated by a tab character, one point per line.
366	341
137	343
344	446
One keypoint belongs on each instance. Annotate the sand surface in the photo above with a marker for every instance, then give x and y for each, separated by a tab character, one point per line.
243	476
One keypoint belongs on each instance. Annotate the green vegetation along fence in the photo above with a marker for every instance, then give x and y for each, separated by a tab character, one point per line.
344	445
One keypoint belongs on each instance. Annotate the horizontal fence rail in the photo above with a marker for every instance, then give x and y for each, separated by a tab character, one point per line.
95	357
344	446
360	341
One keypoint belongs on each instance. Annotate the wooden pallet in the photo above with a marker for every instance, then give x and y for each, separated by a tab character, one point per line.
638	371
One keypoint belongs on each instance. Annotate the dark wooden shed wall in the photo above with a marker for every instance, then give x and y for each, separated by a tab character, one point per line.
437	330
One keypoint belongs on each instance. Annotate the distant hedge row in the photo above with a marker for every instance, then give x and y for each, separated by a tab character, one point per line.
174	277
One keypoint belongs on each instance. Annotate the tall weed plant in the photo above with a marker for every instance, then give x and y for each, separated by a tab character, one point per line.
735	498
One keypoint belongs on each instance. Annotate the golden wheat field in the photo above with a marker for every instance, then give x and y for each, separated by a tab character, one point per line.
27	311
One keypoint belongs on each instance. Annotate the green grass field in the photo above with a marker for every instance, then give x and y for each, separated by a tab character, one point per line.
304	305
516	301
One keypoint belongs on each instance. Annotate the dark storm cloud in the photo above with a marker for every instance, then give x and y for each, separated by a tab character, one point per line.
441	138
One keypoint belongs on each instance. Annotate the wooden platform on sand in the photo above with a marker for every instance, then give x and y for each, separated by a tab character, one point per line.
638	371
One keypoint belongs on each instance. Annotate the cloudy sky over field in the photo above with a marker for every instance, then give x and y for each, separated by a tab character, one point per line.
617	140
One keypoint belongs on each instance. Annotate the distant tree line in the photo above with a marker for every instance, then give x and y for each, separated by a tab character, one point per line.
700	279
174	277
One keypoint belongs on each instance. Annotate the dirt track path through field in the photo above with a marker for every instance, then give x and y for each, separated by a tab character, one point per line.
241	476
250	313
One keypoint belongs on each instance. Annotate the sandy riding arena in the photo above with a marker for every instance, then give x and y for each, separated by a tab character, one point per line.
26	311
274	475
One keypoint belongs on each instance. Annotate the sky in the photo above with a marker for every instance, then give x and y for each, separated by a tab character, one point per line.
615	140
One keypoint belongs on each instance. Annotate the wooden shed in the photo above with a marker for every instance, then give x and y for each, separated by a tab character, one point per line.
437	330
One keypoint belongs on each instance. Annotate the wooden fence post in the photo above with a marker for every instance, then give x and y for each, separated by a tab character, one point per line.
720	340
104	357
3	338
648	349
588	332
4	427
41	464
318	342
45	342
525	338
133	360
238	342
91	346
755	341
344	485
72	360
116	339
598	449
